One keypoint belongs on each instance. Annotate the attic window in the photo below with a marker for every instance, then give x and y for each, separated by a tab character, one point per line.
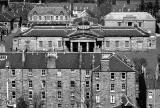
34	13
61	13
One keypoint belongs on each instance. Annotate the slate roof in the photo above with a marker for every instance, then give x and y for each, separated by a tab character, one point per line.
64	61
65	31
122	15
43	10
15	60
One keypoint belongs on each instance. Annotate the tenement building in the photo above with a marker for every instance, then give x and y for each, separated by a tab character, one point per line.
60	80
88	38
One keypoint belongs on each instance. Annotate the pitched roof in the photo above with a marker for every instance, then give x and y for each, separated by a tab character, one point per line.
65	31
14	59
122	15
43	10
117	64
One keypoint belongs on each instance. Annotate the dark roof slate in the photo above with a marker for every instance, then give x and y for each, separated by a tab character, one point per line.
64	31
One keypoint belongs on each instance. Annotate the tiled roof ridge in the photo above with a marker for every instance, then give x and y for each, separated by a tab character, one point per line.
121	59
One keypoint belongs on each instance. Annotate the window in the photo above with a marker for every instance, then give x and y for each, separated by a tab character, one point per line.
97	87
72	105
59	94
126	43
66	18
30	94
13	83
112	88
30	72
13	94
52	18
87	73
87	95
72	83
129	23
3	57
123	76
49	43
35	17
128	1
43	95
97	99
61	17
113	2
150	94
59	105
45	17
112	99
40	17
59	74
43	83
48	17
117	43
59	43
43	72
13	72
119	23
56	17
30	84
123	87
40	43
140	24
87	83
97	75
59	84
150	106
107	43
112	76
72	96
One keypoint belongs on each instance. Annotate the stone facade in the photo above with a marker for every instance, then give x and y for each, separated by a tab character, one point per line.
142	20
92	39
62	86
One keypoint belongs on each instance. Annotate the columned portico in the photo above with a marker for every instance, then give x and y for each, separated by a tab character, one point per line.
82	45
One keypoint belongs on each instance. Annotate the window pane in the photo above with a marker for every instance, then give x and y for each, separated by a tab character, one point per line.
112	76
126	43
107	43
59	43
40	43
49	43
72	84
123	76
117	43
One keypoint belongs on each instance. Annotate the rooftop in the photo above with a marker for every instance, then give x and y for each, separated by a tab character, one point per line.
122	15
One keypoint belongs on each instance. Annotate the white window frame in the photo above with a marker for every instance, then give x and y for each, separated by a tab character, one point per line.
14	83
112	99
112	86
43	82
30	83
43	72
59	94
123	87
111	76
43	95
30	72
122	76
87	73
30	91
13	70
97	99
13	96
98	87
97	75
87	84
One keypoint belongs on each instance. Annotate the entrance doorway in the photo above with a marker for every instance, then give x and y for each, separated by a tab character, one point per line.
83	45
91	46
75	46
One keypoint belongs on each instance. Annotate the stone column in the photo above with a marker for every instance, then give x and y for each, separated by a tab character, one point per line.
94	46
87	46
71	46
79	46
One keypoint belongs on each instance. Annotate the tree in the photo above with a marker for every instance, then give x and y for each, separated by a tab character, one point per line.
139	62
156	7
142	5
21	103
37	102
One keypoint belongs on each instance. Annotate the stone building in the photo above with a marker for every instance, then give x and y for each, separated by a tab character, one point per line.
48	14
90	38
142	20
66	79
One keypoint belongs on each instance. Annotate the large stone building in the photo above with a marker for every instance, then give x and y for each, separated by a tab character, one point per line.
142	20
63	80
90	38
